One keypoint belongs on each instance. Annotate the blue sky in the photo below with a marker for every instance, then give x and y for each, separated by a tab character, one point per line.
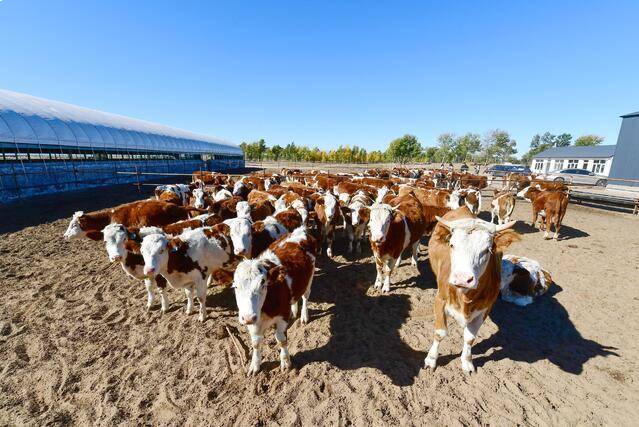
330	73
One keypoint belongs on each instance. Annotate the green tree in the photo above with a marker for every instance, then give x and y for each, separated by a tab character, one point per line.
404	149
563	140
499	146
588	140
445	143
276	152
466	146
429	154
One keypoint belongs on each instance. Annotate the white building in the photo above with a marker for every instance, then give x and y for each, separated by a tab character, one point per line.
596	158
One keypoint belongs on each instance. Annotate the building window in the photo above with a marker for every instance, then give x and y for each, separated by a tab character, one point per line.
559	164
572	164
587	165
599	166
539	165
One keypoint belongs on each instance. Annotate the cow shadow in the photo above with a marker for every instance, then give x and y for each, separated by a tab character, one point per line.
565	233
364	329
542	330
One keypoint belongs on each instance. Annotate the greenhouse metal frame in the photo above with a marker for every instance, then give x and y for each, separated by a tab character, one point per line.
48	146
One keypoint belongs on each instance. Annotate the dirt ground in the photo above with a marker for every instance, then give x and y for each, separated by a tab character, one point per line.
77	346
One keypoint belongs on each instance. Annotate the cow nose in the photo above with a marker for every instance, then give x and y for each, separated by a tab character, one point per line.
249	319
115	258
463	279
149	271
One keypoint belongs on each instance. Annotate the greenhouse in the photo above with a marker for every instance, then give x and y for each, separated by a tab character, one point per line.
48	146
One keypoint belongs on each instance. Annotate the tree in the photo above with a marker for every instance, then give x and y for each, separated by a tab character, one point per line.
466	146
404	149
445	143
276	152
588	140
563	140
543	142
429	154
499	146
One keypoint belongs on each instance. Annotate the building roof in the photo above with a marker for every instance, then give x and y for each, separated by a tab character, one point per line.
635	114
26	119
574	152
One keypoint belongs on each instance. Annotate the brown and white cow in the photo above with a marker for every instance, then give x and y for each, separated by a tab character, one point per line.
135	214
188	260
550	205
356	217
393	228
268	288
465	254
522	279
178	194
502	206
329	216
123	246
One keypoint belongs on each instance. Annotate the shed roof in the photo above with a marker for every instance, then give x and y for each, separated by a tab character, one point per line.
26	119
635	114
591	152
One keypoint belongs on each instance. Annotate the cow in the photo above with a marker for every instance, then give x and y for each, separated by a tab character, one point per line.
550	205
201	198
204	220
123	246
187	261
268	288
356	215
393	228
329	216
502	206
135	214
465	255
250	238
522	279
178	194
470	197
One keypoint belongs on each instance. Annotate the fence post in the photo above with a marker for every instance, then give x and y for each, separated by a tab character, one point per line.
137	175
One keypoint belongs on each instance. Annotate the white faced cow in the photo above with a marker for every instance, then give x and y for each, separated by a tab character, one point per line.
465	254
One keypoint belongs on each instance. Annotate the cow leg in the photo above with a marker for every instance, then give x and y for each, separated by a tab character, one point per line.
256	343
160	281
548	225
492	216
350	234
295	309
150	288
379	264
534	218
329	242
189	299
470	333
441	330
557	227
282	342
304	316
201	298
413	259
390	266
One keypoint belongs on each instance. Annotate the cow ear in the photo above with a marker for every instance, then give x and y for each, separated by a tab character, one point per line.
505	238
276	274
95	235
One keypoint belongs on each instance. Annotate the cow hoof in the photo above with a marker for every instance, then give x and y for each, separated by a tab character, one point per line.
148	307
201	318
253	369
285	365
304	319
386	289
430	362
468	367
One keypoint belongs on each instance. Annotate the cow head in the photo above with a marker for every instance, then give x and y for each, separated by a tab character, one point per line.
527	193
240	232
250	282
299	206
115	238
330	206
472	243
223	194
198	196
243	210
381	193
155	252
74	230
381	216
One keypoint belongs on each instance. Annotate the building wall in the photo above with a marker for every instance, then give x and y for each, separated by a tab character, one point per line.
626	163
25	179
549	165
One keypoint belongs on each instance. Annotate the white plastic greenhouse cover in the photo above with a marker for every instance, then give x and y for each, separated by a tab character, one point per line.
26	119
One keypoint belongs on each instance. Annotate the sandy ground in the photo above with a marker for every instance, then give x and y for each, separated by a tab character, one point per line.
77	346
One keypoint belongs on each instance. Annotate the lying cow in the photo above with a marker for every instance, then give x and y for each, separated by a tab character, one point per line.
187	261
268	288
465	255
522	279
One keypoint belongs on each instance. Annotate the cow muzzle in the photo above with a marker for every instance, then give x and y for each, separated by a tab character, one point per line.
149	272
249	319
463	280
115	258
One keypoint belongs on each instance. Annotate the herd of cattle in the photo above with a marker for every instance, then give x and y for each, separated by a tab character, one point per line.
261	234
